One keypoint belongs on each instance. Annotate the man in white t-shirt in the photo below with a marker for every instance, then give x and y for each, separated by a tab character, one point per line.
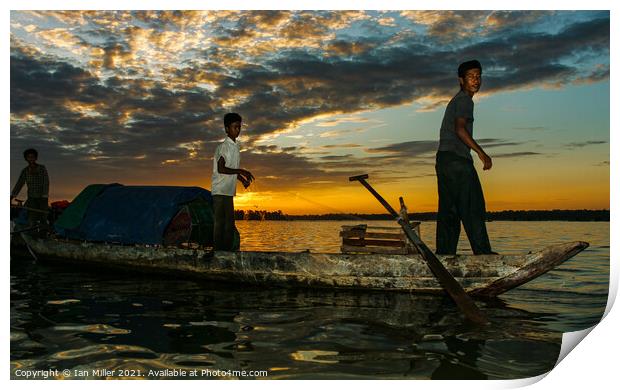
226	172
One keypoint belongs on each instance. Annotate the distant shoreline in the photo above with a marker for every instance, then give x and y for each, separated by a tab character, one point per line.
507	215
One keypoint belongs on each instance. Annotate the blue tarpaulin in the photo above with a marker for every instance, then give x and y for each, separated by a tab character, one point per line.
133	214
71	218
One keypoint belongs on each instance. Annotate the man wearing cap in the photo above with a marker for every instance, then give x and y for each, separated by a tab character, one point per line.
460	193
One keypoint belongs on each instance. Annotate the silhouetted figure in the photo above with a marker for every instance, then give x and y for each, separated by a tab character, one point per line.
226	172
460	192
36	179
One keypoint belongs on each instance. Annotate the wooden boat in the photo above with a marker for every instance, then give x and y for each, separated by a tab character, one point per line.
481	276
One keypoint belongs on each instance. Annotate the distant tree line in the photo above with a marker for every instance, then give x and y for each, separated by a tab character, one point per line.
549	215
507	215
260	215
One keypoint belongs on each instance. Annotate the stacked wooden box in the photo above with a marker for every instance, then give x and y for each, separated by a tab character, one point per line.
377	239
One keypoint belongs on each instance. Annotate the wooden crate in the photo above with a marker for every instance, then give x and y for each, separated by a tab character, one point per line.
377	239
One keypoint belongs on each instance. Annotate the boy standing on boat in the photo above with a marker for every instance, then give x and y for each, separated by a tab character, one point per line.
36	179
460	192
226	172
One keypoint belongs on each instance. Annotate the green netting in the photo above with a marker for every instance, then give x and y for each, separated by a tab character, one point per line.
202	224
72	216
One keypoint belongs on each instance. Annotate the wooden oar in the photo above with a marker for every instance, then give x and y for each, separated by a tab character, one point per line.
447	281
29	248
31	209
35	227
404	214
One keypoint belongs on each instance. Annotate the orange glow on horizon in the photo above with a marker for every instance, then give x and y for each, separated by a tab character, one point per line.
551	187
419	197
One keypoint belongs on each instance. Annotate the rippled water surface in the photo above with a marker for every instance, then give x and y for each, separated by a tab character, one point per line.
64	318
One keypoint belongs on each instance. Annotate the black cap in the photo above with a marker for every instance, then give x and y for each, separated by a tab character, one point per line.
465	66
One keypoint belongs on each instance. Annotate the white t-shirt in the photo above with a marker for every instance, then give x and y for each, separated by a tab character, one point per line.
222	184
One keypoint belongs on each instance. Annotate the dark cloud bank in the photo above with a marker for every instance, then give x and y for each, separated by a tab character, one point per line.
280	90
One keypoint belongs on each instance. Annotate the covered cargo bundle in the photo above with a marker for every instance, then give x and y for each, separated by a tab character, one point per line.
156	215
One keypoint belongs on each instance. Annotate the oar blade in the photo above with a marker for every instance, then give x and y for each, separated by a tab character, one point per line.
464	302
445	278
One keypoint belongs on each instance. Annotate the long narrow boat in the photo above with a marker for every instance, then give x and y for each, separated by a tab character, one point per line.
481	276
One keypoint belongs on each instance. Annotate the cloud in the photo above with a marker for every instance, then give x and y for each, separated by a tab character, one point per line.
495	143
600	73
349	48
516	154
338	121
426	149
304	84
509	19
446	25
333	146
574	145
531	128
94	90
292	170
407	149
450	26
342	157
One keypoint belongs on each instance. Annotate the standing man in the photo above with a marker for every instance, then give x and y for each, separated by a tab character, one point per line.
36	179
460	192
226	172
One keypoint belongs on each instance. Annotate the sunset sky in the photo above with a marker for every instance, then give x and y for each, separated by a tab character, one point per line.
138	98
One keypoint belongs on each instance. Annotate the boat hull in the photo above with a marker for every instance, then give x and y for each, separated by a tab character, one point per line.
482	276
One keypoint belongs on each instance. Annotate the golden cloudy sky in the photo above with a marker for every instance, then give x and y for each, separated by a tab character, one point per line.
137	97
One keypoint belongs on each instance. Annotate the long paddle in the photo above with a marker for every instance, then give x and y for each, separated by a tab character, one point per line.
31	209
35	227
29	248
452	287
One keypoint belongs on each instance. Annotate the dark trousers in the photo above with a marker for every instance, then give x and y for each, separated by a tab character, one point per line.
224	226
460	199
34	217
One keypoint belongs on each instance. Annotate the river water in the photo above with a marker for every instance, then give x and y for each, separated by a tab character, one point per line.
84	322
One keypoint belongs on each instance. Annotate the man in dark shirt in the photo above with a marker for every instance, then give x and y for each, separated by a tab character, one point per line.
36	178
460	192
